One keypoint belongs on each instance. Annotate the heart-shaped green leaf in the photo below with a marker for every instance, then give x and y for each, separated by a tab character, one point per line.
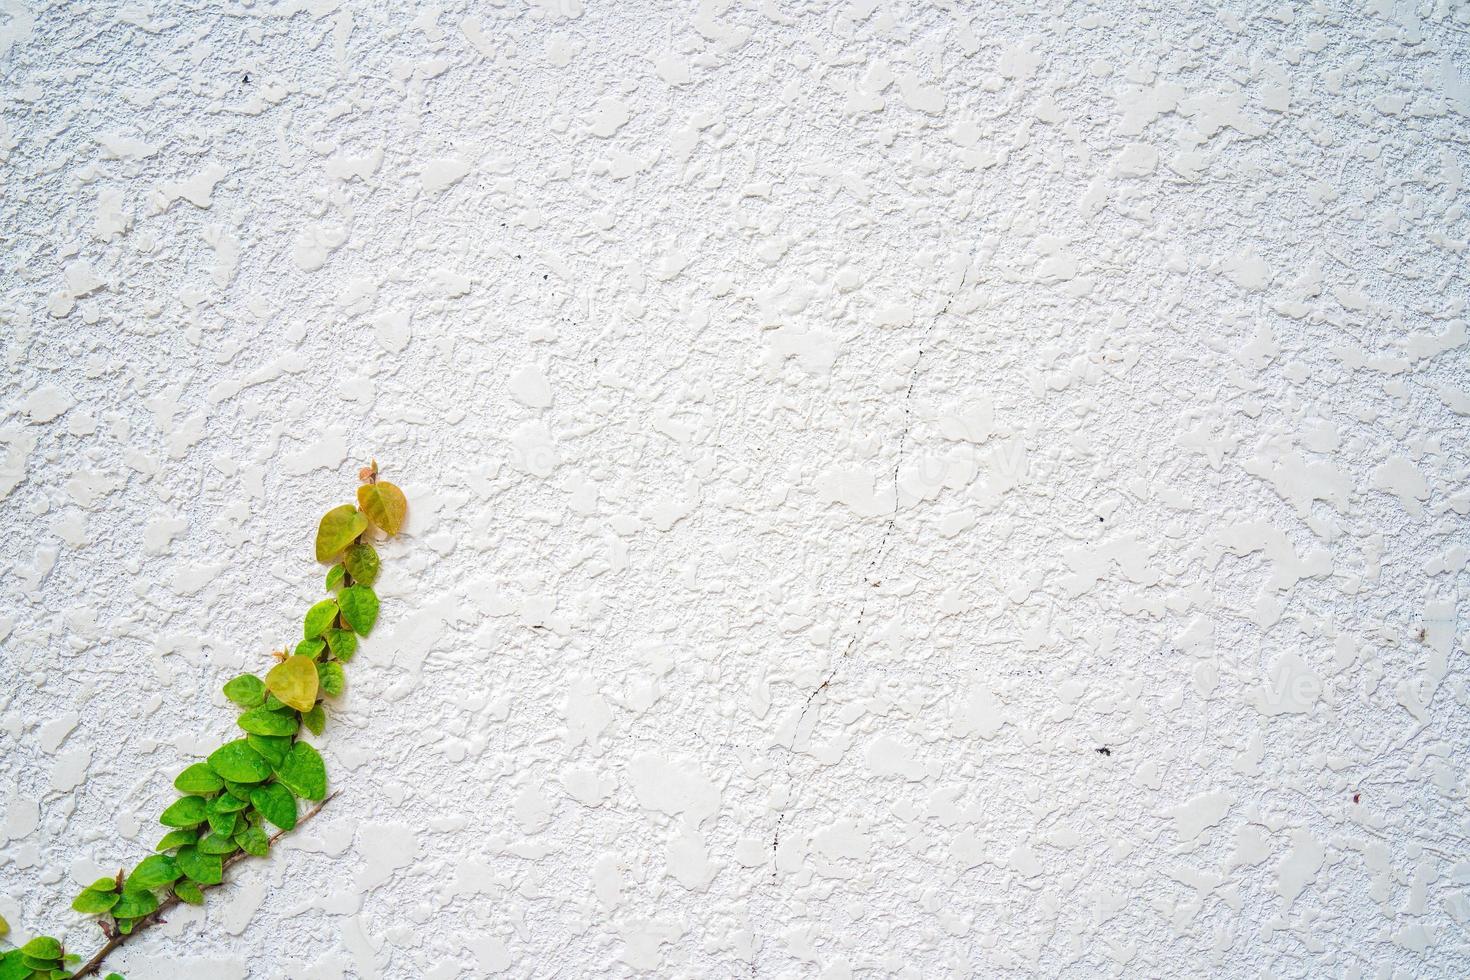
339	527
304	773
228	803
151	872
42	948
332	678
342	643
135	904
198	778
185	812
253	841
359	606
362	563
91	902
272	749
318	618
221	823
175	838
264	721
246	690
239	763
207	869
276	803
188	892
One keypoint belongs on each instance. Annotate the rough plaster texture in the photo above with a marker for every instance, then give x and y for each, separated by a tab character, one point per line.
828	430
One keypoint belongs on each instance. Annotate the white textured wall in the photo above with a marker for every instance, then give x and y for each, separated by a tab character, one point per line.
827	429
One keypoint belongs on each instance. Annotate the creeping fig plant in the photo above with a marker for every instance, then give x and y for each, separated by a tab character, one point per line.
244	796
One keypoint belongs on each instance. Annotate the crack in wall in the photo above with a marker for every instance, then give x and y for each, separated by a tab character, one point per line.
879	554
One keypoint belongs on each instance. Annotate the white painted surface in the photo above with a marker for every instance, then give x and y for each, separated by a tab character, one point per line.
826	430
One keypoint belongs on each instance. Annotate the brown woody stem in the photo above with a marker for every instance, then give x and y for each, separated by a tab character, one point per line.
91	967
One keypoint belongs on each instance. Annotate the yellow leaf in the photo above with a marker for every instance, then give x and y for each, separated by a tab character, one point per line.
340	526
294	681
384	504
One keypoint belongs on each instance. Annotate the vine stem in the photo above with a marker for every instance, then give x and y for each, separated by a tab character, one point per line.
115	940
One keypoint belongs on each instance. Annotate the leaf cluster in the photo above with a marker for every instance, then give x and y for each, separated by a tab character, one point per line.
236	802
43	958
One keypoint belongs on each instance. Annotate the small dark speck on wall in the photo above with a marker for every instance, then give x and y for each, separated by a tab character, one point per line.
1104	750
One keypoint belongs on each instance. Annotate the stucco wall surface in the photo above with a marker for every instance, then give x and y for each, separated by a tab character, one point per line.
899	489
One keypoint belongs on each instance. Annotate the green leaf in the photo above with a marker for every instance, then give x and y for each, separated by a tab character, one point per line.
272	748
343	644
253	841
276	803
224	823
207	869
188	892
246	690
185	812
315	720
294	681
238	762
135	904
318	618
242	790
362	563
218	843
304	773
114	976
105	884
175	838
227	823
228	803
198	778
263	721
42	948
384	504
359	608
125	926
151	872
338	528
310	648
335	578
92	902
12	965
331	677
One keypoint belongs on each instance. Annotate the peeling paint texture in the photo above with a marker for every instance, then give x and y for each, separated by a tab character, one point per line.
900	489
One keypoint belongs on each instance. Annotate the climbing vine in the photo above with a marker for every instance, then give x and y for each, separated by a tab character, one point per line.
241	799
